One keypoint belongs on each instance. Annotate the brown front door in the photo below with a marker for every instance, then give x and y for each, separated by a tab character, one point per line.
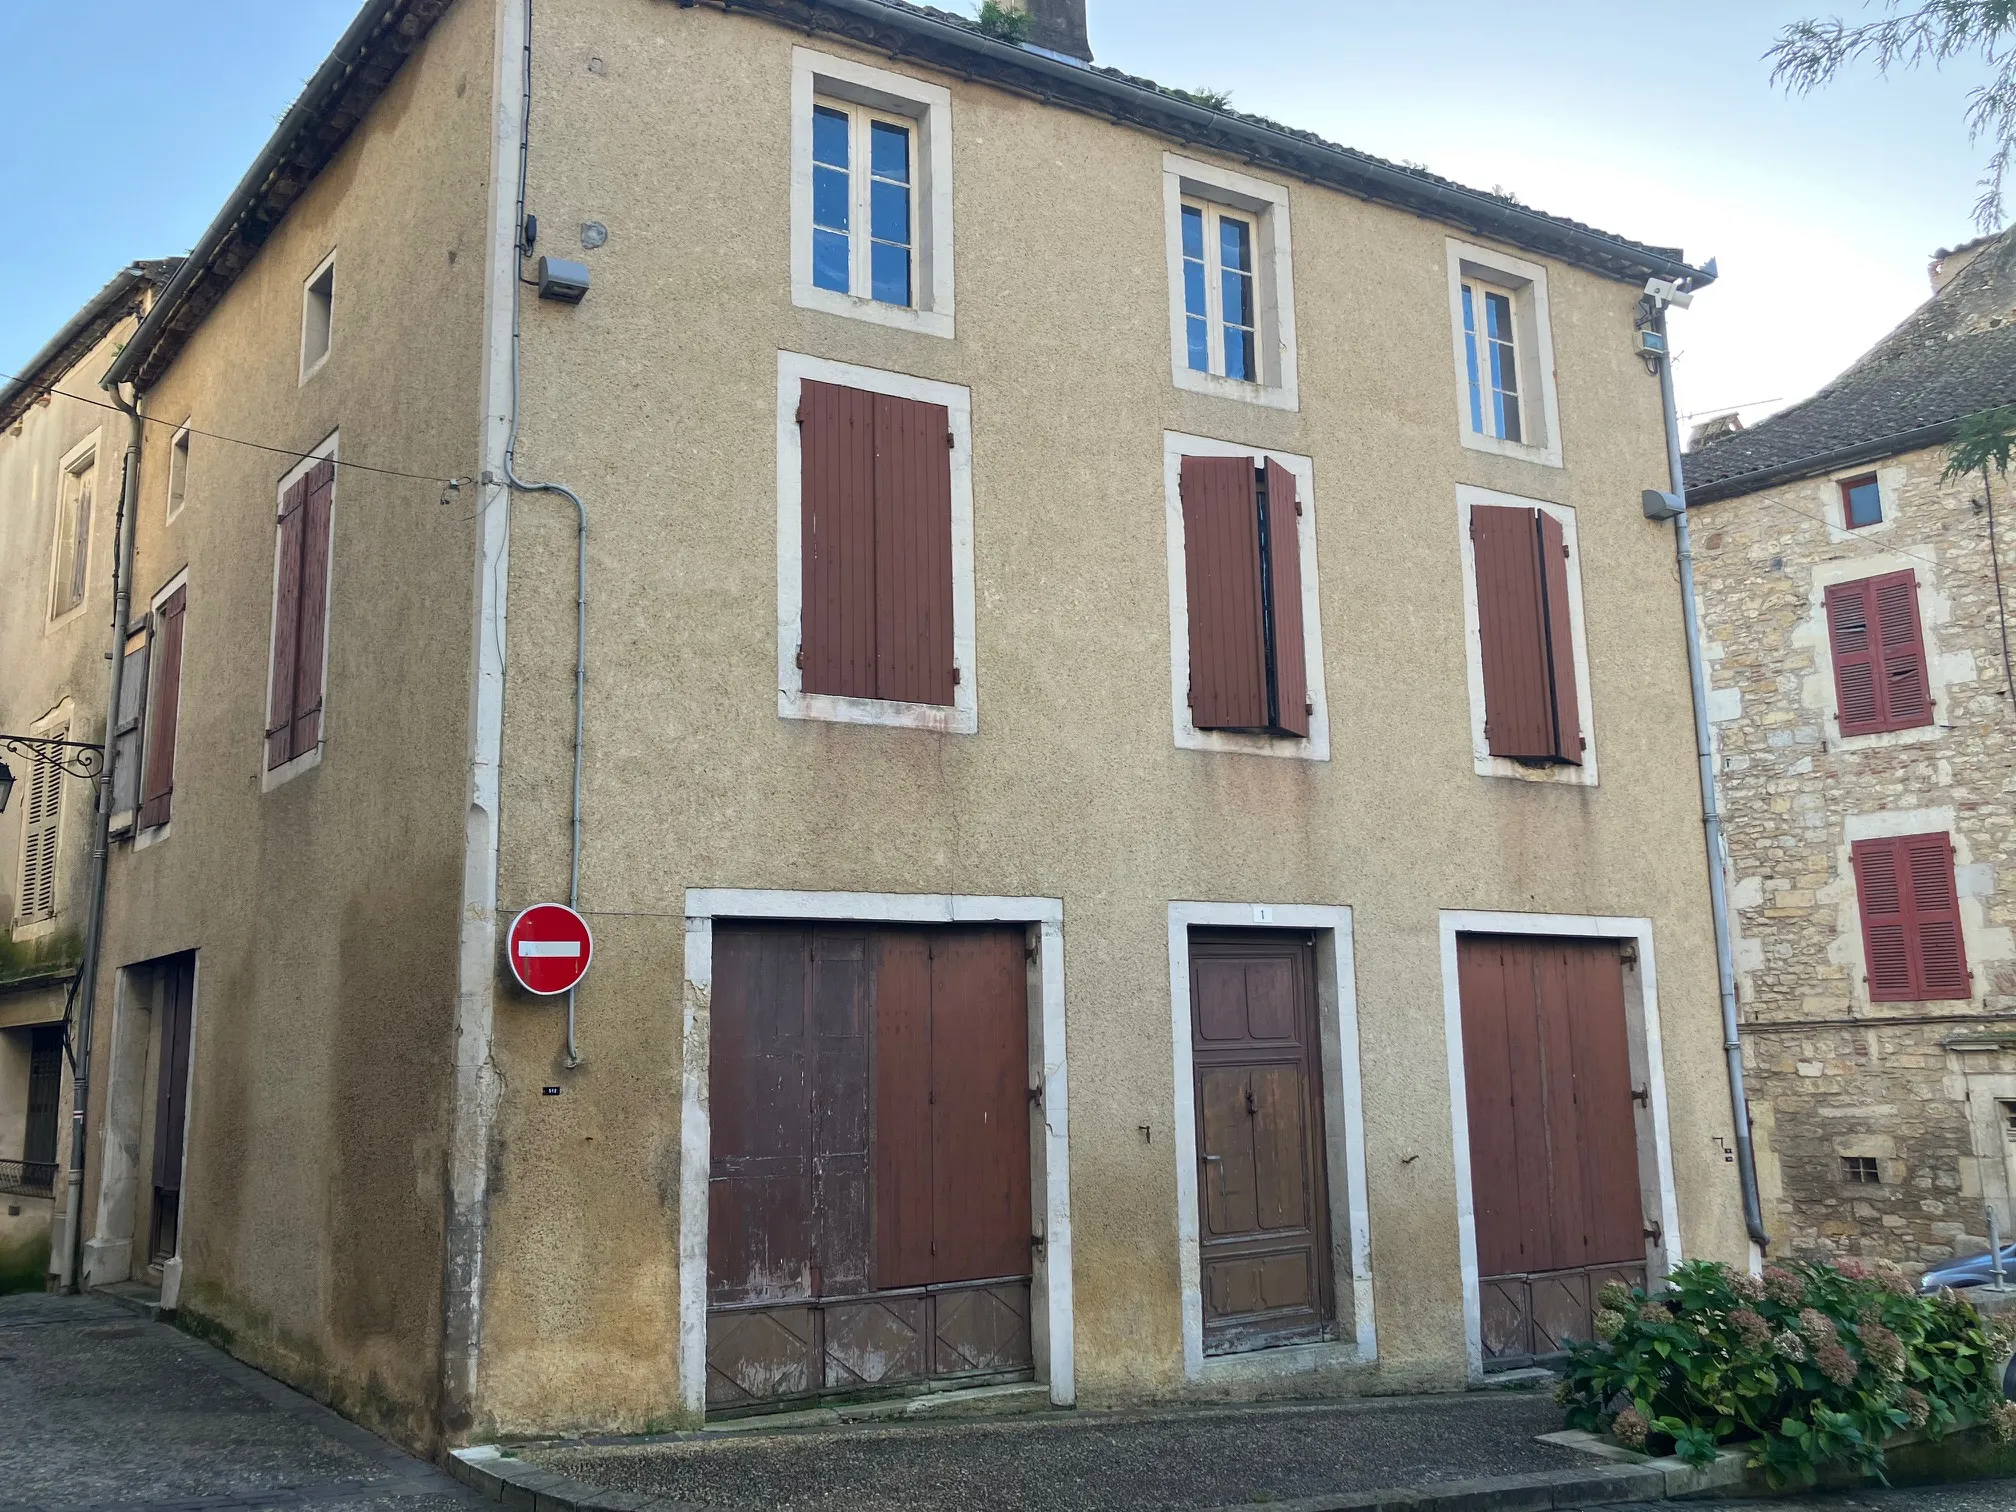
1263	1193
171	1100
1553	1136
869	1204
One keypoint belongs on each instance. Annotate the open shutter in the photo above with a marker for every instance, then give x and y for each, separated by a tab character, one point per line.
1886	943
1284	563
1512	626
1221	559
1852	641
1567	709
127	734
1906	690
837	509
158	778
313	635
1927	860
913	551
286	625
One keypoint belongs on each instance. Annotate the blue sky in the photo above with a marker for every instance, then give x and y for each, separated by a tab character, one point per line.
1662	127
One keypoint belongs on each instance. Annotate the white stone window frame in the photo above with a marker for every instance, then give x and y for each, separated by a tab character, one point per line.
1316	747
80	462
1274	280
1052	1306
962	715
1834	503
307	761
318	317
178	471
1648	1055
1482	762
1343	1134
1539	405
1817	690
155	834
928	107
1973	886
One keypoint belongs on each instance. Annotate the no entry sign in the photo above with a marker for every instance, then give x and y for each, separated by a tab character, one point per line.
549	947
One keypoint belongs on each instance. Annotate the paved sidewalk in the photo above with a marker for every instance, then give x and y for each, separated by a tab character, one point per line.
103	1411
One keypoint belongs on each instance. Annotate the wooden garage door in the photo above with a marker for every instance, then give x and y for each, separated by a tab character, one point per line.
869	1206
1263	1205
1553	1136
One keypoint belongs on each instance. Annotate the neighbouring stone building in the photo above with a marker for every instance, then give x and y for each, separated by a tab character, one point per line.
1857	628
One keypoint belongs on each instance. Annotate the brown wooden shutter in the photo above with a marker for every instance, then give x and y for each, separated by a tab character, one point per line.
1284	561
1910	910
905	1225
980	1104
311	644
286	624
837	513
1221	560
1878	645
158	780
913	551
1512	624
1567	714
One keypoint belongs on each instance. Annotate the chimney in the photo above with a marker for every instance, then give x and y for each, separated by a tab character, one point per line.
1948	264
1057	26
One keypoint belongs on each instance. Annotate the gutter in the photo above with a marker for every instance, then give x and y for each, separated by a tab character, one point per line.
24	390
1354	172
1812	466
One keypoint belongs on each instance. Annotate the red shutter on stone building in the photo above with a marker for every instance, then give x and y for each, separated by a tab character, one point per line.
1878	645
1910	907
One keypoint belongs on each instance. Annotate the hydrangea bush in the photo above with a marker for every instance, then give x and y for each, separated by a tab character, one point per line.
1811	1366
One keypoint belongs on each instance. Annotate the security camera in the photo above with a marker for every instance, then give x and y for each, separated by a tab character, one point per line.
1665	291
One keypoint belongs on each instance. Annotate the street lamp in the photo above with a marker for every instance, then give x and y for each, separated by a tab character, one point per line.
6	786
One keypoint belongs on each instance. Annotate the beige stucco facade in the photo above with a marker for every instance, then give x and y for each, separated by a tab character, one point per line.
385	1200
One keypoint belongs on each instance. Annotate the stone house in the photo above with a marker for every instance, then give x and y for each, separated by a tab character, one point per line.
62	459
1856	618
1099	773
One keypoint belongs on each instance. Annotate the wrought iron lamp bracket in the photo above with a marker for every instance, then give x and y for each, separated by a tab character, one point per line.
77	758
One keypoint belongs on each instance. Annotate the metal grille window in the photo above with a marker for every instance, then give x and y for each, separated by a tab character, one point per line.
40	819
1491	361
1220	308
1861	1170
864	203
73	536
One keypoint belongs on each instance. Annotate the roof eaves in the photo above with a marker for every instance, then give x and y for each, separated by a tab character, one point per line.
1816	463
83	331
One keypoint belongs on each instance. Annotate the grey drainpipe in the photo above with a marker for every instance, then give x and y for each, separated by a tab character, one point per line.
123	531
1711	814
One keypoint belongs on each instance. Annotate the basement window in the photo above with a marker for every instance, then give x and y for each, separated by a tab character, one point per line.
1861	1170
318	300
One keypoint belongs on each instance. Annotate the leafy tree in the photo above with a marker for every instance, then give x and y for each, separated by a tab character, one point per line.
1809	54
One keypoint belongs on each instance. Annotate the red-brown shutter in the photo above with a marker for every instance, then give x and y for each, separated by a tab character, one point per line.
1512	621
286	625
1910	911
913	551
1560	639
158	781
837	512
1221	559
1878	644
311	643
1284	559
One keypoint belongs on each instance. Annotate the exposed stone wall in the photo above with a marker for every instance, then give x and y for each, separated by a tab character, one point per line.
1830	1084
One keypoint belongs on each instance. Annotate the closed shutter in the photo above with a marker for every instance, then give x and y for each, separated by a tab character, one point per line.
1878	644
286	625
312	644
127	734
1221	563
40	821
1910	911
157	784
876	517
1284	599
1531	711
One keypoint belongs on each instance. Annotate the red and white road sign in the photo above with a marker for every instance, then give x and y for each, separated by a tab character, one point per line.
549	947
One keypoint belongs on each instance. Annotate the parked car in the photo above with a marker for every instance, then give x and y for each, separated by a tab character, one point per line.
1975	1270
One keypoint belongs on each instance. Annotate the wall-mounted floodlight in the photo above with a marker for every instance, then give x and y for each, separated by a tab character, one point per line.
562	280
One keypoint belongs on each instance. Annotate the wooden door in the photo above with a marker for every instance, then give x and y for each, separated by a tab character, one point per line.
1263	1191
171	1096
1553	1136
869	1204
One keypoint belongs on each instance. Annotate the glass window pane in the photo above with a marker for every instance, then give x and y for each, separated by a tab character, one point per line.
1200	342
889	152
829	198
1499	310
1193	288
1193	231
891	273
1865	503
1508	417
829	260
1238	294
1239	361
1235	244
829	137
890	217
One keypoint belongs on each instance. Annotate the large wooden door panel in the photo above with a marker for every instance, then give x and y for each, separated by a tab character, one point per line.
980	1113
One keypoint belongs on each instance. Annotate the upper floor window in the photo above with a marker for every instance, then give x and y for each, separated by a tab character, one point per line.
42	815
1906	892
1504	351
1881	677
871	211
162	684
72	571
178	472
1861	502
1231	284
299	667
318	311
